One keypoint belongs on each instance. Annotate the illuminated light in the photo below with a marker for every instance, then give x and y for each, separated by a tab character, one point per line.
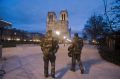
64	37
94	41
24	40
69	40
36	40
17	39
31	40
9	39
15	33
57	32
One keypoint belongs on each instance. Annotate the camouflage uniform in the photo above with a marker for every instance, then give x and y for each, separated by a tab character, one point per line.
75	52
49	47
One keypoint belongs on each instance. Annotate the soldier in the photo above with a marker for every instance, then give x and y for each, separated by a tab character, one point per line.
49	46
75	52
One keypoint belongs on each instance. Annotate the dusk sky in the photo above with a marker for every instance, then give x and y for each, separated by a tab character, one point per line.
30	15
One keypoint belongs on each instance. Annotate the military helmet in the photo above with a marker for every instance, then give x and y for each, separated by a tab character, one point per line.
76	34
49	33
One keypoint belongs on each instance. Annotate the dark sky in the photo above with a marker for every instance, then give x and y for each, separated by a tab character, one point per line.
30	15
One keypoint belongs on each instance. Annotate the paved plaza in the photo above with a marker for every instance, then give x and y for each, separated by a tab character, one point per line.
26	62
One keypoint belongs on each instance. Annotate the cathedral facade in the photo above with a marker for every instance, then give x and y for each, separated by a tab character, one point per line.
61	24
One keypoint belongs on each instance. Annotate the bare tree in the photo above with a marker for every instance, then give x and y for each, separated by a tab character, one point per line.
106	14
113	14
95	26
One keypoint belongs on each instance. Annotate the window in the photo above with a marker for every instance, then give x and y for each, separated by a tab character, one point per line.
51	18
63	17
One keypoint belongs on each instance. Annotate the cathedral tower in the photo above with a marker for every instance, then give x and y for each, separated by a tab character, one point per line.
51	21
61	25
64	15
64	23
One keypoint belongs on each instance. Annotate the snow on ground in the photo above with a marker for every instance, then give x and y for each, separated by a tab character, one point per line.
26	62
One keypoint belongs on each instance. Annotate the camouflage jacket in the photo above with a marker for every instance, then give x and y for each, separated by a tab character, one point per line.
76	46
49	45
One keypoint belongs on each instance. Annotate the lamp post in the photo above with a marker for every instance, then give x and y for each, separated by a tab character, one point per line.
57	32
64	37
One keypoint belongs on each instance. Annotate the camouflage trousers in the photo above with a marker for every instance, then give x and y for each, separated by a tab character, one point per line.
76	57
50	59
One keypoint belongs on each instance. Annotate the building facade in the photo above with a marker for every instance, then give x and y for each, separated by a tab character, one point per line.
61	24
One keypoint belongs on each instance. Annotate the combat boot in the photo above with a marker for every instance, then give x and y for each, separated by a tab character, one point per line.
72	69
52	75
82	71
46	75
81	68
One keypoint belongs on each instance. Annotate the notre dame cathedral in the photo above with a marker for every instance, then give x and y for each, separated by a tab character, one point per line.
61	25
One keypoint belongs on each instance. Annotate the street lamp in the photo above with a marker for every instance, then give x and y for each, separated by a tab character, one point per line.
57	32
64	37
25	40
18	39
9	39
69	40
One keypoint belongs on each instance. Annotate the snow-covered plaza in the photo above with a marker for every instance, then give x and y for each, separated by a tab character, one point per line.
26	62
